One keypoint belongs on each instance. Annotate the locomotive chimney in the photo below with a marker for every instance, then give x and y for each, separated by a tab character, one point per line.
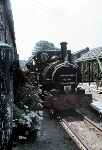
69	56
63	50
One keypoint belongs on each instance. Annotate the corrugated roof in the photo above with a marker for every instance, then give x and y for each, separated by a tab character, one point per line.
91	54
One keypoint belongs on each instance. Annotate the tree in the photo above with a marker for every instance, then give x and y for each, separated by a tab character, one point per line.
43	46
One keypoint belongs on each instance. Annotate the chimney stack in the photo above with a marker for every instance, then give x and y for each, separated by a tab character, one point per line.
63	50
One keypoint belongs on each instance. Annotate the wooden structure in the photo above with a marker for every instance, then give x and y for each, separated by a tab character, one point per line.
90	64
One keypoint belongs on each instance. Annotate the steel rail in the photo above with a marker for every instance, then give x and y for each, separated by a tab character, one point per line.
77	140
89	121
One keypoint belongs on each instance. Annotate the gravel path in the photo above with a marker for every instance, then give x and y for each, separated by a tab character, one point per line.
50	137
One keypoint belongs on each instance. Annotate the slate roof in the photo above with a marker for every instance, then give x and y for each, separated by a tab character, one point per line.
91	54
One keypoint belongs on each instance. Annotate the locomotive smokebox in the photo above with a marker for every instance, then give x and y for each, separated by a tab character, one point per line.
63	50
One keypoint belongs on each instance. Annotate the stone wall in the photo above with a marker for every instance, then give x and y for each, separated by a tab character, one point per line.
7	76
7	33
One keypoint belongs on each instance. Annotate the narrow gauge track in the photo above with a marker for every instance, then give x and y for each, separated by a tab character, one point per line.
89	121
73	135
83	131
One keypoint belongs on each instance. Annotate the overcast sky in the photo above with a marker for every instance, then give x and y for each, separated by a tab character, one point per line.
79	22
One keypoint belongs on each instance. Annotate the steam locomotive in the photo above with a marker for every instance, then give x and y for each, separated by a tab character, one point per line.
58	71
7	67
60	76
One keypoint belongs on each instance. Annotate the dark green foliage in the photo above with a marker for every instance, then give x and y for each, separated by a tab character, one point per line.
17	112
27	93
43	46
